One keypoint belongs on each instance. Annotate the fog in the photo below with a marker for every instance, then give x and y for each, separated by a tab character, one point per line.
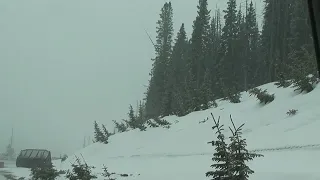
67	63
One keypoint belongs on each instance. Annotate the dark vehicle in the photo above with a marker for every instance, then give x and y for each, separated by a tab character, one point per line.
30	158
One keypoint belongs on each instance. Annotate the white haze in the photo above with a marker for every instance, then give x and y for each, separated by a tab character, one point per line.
66	63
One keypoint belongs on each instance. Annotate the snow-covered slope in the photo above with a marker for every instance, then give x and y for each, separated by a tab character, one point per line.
290	145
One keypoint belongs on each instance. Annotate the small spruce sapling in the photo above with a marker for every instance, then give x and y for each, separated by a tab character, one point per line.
239	154
98	135
106	134
80	171
107	174
121	127
152	124
292	112
44	173
262	96
162	122
221	156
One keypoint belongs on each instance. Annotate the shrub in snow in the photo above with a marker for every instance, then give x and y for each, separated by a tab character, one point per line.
162	122
230	159
158	122
64	157
231	95
233	98
212	104
282	82
80	171
100	136
152	124
304	71
305	83
121	127
292	112
44	173
135	122
203	121
263	96
107	174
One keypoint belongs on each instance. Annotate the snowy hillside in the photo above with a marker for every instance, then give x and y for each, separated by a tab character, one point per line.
290	144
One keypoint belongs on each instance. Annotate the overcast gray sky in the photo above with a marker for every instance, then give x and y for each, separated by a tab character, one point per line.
66	63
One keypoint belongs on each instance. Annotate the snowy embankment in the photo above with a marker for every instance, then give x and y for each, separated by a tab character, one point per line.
290	144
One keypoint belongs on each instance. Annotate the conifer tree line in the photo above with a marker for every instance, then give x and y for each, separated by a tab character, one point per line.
220	61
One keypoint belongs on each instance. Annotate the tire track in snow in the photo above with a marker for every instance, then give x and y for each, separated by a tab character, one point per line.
170	155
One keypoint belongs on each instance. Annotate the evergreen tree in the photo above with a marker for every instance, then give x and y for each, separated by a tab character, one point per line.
106	134
80	171
252	35
121	127
228	52
132	118
199	57
206	91
44	173
134	121
302	53
300	29
275	38
159	92
141	113
98	135
178	72
215	45
242	53
221	157
239	154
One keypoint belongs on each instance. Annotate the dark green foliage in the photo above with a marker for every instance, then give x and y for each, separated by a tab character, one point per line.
221	156
199	56
178	70
135	122
98	134
282	82
159	93
121	127
304	72
292	112
239	154
107	174
106	134
275	39
229	52
231	95
162	122
230	159
263	96
64	157
152	124
80	171
222	61
101	136
48	173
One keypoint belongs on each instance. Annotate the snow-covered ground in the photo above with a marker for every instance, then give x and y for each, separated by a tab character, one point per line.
290	144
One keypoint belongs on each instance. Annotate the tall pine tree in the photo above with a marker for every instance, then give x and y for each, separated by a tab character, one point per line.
199	58
229	54
178	73
253	36
159	94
